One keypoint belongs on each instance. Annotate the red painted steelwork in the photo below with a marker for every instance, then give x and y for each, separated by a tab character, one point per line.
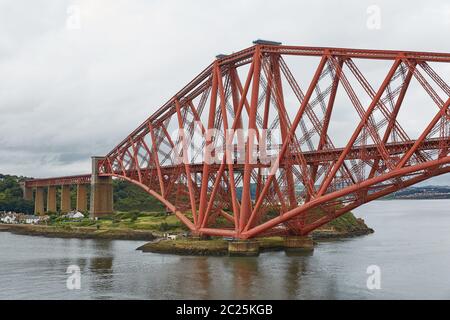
59	181
315	181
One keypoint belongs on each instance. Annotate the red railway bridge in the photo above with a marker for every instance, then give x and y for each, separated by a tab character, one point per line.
345	137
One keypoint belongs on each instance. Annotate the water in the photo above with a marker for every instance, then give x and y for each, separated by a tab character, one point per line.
411	245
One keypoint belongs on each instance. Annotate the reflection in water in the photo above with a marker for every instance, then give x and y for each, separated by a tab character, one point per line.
102	245
196	277
243	271
101	267
293	275
102	271
203	276
35	267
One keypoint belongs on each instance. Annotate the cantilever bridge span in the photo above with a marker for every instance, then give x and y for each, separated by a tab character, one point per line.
353	125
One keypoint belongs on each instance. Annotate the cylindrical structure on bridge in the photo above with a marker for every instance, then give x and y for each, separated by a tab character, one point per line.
243	248
65	199
39	201
101	192
298	243
81	198
51	199
27	191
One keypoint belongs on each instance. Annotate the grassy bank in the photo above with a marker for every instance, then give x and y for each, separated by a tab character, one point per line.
155	222
345	226
119	226
77	232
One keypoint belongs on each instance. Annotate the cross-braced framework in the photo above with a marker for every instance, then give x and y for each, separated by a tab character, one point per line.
338	113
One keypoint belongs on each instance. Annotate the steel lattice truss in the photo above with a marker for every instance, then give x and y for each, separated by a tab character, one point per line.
302	93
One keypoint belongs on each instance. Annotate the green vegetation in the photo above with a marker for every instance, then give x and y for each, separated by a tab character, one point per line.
345	222
138	211
11	196
68	231
134	220
129	197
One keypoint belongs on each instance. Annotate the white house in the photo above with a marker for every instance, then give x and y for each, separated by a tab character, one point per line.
74	215
170	236
8	219
31	219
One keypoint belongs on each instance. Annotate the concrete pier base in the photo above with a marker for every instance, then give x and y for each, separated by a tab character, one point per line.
101	192
39	201
65	199
81	198
243	248
51	199
298	244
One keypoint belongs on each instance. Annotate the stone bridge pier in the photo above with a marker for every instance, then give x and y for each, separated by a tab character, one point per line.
101	192
47	192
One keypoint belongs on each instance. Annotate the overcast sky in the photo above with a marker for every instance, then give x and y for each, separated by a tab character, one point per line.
71	88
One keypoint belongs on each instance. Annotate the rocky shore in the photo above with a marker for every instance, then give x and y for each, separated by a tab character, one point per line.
347	226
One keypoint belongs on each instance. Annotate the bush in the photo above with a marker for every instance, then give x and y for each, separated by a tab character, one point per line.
134	217
164	226
129	197
116	220
86	222
11	195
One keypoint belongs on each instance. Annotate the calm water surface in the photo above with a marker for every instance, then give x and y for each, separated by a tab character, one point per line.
411	245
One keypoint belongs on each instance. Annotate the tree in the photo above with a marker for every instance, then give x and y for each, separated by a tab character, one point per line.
11	195
129	197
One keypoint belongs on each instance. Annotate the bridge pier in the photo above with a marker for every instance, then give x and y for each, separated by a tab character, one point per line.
298	244
243	248
81	198
51	199
39	201
27	192
65	199
101	192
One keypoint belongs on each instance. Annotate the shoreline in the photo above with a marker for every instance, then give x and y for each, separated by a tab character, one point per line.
219	247
321	235
77	232
182	246
141	235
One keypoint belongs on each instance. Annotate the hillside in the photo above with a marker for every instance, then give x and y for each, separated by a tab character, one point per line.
129	197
